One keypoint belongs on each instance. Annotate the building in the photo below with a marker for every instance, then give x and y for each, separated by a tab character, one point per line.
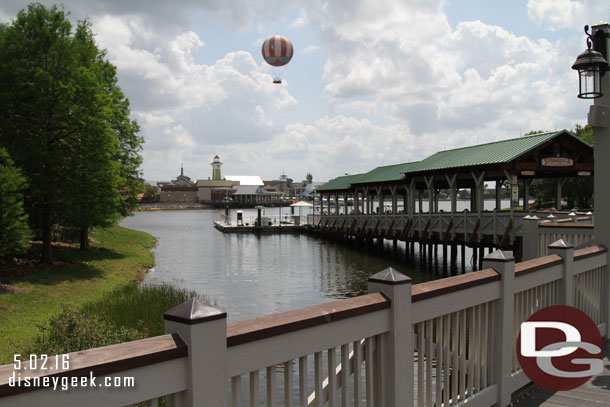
182	190
183	179
216	164
208	189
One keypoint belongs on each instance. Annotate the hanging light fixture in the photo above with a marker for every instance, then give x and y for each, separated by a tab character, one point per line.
591	65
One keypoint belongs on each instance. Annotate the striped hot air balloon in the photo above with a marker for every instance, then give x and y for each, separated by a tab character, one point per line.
277	50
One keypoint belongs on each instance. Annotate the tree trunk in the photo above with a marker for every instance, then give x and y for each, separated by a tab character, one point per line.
47	227
84	236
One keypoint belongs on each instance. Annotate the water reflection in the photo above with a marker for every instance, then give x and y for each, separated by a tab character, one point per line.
251	275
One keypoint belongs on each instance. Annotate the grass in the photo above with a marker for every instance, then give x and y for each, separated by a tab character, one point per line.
119	258
139	307
125	314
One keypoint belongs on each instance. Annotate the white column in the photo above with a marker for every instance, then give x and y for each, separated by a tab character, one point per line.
530	238
504	264
204	329
566	251
397	373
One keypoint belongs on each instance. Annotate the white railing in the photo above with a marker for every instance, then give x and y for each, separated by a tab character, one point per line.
539	234
498	225
442	343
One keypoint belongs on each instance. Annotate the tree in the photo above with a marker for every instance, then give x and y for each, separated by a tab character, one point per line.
65	123
107	153
14	231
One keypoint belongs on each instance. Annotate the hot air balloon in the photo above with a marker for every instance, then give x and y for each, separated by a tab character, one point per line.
277	51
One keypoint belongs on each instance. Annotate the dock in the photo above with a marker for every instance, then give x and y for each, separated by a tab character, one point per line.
283	228
596	392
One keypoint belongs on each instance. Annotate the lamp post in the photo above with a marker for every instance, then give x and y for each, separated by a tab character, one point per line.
592	66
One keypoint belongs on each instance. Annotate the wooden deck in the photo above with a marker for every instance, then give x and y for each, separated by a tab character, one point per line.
284	228
594	393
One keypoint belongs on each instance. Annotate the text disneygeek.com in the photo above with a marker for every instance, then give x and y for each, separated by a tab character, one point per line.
64	383
20	378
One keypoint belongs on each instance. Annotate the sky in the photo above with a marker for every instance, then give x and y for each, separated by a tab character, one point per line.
371	82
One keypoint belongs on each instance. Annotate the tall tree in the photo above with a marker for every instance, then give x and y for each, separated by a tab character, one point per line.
106	156
64	122
14	231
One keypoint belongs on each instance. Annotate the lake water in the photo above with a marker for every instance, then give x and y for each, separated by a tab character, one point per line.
250	275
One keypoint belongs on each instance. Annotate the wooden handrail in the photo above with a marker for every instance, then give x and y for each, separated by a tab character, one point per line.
540	263
589	252
255	329
447	285
566	225
101	361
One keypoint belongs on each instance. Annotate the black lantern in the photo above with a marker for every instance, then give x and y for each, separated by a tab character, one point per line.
591	66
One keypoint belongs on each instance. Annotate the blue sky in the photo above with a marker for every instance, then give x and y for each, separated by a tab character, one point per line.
371	83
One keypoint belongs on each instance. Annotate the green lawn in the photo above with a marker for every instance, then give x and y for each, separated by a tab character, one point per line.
118	257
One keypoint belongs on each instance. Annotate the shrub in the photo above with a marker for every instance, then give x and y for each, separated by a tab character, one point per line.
73	330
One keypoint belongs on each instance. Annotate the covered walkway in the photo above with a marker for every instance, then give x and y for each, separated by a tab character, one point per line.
401	201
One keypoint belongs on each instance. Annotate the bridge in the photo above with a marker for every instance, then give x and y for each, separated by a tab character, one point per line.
401	201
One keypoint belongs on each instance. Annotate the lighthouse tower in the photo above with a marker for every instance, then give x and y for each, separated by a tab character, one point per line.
216	169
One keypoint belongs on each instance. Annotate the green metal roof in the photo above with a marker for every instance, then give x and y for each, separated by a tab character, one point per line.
339	184
386	173
498	152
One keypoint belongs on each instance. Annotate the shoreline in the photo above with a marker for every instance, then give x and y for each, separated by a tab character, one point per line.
117	258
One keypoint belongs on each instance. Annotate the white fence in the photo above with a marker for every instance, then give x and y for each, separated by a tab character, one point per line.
500	227
445	343
539	234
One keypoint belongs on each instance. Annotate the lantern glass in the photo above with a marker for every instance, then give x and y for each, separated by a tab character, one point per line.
590	83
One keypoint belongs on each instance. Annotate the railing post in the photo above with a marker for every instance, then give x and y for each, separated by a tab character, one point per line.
566	251
397	360
204	329
530	237
504	264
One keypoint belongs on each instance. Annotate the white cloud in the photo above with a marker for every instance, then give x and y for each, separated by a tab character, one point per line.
567	13
311	48
299	22
394	62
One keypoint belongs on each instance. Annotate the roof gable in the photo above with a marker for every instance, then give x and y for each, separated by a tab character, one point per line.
498	152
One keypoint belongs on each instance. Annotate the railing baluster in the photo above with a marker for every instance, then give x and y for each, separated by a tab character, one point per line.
470	385
477	348
254	388
484	343
344	375
439	361
463	336
236	391
288	383
446	376
318	373
332	377
429	357
303	381
516	312
455	367
420	364
357	370
270	386
377	367
368	350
